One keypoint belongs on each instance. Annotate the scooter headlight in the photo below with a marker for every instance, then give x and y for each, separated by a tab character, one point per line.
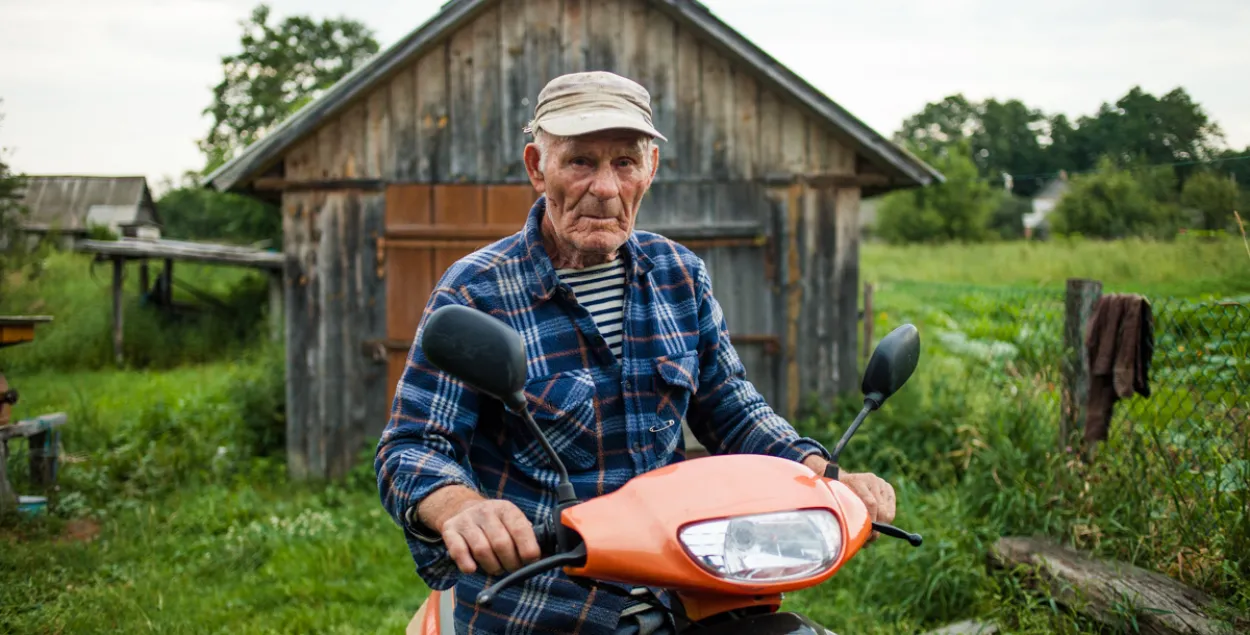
772	547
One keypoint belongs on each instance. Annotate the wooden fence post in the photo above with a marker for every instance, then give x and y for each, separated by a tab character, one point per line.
868	320
1080	299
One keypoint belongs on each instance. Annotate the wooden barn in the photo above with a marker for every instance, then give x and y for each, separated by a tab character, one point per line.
414	160
70	205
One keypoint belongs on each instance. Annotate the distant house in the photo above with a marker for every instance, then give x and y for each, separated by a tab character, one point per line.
71	205
1043	204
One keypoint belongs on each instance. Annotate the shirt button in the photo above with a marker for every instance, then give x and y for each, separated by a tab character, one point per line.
637	446
628	384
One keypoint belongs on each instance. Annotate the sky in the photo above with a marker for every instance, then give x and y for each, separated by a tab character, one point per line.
119	87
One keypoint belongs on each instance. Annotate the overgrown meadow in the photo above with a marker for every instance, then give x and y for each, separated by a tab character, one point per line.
173	513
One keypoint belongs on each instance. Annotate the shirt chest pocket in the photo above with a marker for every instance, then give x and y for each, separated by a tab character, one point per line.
563	406
676	382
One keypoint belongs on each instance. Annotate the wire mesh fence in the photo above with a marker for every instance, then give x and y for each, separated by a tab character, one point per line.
1184	448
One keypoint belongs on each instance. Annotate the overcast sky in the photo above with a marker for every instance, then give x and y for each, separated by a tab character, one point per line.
118	86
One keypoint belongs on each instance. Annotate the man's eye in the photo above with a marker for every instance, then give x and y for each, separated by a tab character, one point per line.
624	163
581	162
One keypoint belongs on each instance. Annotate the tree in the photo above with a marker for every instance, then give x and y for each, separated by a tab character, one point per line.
1140	127
281	67
1212	197
16	254
191	212
958	209
1115	202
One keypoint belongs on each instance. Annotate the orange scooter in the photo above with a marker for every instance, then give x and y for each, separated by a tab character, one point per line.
728	553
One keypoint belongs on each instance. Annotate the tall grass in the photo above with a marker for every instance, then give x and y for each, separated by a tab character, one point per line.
1180	267
78	295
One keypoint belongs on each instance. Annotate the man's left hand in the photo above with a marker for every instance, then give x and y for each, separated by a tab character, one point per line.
877	494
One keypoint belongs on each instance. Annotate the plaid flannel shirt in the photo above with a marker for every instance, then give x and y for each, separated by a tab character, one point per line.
609	420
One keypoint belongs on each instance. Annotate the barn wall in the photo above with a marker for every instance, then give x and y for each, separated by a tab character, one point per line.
456	114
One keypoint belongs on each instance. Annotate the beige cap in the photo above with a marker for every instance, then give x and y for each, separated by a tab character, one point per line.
581	103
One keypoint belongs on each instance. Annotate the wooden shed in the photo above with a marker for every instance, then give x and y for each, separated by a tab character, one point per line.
414	160
71	204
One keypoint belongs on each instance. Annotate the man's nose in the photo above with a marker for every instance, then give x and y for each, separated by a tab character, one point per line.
605	185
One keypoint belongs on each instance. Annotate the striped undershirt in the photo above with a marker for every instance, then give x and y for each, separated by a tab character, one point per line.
601	290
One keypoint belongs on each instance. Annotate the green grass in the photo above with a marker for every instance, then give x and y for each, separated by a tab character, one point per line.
1182	267
178	462
78	295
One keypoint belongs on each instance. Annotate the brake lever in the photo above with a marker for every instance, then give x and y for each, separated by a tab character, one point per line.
895	532
574	558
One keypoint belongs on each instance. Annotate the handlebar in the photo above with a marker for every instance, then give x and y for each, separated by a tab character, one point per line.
545	532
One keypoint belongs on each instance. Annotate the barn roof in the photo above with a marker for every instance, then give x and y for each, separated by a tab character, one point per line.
892	159
66	201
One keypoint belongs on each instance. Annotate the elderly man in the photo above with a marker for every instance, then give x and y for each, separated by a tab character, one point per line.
625	340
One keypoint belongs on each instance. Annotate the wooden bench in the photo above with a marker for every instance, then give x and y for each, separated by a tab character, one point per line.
43	437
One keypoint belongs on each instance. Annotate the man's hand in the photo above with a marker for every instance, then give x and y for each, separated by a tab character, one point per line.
493	534
877	494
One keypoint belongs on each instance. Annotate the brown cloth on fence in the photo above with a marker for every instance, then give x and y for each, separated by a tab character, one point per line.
1119	344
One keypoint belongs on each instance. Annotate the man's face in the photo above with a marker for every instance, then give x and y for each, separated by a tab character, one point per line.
594	185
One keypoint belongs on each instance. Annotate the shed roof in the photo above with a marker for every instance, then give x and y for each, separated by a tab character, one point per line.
66	201
906	169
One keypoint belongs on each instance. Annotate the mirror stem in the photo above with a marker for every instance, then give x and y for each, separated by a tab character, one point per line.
831	470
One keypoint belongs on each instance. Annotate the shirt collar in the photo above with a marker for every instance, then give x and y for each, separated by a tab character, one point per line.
544	281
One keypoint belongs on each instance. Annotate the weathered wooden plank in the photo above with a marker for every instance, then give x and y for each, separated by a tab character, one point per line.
1111	593
831	321
301	161
325	433
661	81
793	139
631	61
603	23
575	53
842	157
744	132
688	138
717	117
814	294
404	154
1080	299
769	158
36	425
434	134
371	314
487	110
344	433
119	269
379	162
409	204
302	318
462	100
846	277
351	151
513	98
544	22
328	166
179	250
508	206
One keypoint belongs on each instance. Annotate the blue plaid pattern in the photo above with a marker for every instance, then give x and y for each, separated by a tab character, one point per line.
609	420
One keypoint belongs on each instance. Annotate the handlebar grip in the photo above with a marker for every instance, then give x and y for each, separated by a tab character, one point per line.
545	532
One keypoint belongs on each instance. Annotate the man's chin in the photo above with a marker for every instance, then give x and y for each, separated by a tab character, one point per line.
600	242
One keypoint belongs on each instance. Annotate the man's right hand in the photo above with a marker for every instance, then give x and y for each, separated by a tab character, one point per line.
492	534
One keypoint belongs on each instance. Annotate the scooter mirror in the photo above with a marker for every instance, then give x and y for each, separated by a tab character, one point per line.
892	364
479	350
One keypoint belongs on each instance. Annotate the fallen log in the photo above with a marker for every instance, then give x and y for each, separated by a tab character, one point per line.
967	627
1115	594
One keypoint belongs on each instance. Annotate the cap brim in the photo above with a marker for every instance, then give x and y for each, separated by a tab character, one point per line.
586	123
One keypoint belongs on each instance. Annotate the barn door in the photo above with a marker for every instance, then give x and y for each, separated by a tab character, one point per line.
429	227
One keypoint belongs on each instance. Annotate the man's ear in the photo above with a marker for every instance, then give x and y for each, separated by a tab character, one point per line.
655	159
532	156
